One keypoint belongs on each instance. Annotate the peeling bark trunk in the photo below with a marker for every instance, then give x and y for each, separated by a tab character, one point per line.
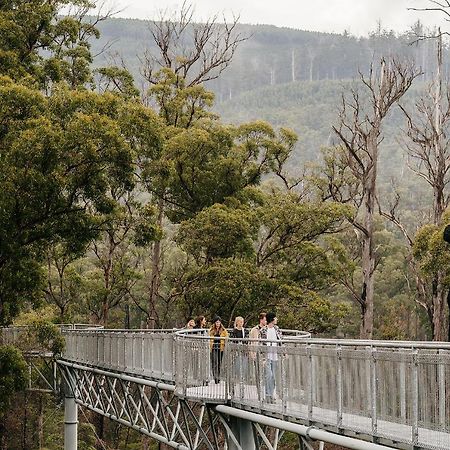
440	322
40	422
368	255
156	272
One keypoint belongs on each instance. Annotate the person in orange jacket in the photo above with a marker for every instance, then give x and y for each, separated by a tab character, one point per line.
218	335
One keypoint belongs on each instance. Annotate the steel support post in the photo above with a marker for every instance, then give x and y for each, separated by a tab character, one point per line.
243	432
70	424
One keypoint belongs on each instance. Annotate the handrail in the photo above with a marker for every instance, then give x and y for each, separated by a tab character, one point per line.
203	333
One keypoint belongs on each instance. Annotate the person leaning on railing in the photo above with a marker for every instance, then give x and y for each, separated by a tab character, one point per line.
218	333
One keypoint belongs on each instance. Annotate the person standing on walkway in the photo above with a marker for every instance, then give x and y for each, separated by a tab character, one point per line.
255	332
218	334
238	332
200	323
255	354
240	356
271	336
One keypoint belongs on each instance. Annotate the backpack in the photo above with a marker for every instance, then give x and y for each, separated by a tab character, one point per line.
447	234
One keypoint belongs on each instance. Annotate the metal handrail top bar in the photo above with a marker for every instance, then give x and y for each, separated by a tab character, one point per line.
199	333
124	330
441	345
70	326
298	337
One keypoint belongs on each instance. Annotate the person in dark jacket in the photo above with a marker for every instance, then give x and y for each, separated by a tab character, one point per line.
239	332
240	351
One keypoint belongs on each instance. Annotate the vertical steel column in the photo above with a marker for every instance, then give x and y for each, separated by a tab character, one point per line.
243	432
70	424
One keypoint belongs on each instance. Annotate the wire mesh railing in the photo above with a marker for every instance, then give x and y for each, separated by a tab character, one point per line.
147	353
15	334
394	390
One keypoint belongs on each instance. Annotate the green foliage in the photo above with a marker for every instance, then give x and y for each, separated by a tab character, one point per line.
47	335
229	287
61	158
13	375
431	251
312	313
180	105
219	232
36	43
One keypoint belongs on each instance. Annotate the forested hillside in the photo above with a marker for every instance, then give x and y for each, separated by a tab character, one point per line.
291	77
271	56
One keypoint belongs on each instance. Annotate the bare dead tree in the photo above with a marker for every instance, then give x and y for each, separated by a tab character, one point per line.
427	143
442	6
428	149
195	52
359	130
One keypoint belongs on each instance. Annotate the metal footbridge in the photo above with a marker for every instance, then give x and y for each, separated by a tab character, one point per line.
358	394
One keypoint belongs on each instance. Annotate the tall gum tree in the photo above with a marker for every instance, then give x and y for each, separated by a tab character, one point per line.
188	54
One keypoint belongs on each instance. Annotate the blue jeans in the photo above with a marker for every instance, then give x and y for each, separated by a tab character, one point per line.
241	367
270	369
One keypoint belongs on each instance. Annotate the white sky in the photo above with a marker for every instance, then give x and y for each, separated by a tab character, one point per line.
357	16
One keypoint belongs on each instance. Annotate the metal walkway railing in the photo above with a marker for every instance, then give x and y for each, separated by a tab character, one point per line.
399	391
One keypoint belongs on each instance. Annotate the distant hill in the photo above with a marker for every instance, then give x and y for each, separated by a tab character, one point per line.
294	78
273	56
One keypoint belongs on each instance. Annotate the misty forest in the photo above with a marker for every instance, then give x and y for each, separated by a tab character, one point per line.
156	171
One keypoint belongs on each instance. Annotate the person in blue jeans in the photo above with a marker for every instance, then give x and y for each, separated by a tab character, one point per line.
272	336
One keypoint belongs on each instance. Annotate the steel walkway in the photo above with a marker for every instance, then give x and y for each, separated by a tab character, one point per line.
395	393
359	394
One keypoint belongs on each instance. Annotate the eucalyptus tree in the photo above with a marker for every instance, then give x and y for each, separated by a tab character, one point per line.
63	148
187	55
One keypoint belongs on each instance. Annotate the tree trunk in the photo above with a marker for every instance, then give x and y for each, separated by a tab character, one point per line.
145	443
368	255
3	433
25	422
156	271
440	325
99	423
293	65
40	421
448	309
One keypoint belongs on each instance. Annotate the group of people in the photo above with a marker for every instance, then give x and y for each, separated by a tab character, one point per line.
266	331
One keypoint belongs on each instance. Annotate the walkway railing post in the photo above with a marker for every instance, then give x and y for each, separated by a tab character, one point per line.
311	381
442	394
339	388
373	389
415	399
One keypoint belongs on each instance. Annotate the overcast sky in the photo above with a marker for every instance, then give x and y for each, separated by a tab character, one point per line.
357	16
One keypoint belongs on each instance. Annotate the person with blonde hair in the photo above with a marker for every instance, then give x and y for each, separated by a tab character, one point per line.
238	332
240	349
